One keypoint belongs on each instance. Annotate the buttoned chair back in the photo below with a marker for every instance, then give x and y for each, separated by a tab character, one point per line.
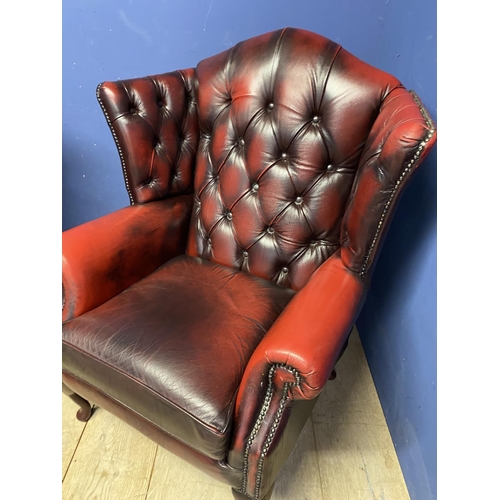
211	313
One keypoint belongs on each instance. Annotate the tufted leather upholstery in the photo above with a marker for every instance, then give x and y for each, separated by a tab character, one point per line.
263	183
155	126
277	160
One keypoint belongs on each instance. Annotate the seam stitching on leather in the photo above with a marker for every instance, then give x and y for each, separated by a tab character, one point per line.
115	137
259	422
120	403
334	59
409	166
274	64
150	390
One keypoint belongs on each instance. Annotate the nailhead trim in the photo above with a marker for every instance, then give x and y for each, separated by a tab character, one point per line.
120	153
260	420
409	166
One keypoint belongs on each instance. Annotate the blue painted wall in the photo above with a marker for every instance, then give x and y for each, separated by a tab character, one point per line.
109	40
398	323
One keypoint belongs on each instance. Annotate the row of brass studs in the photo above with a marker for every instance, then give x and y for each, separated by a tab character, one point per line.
120	153
260	420
415	158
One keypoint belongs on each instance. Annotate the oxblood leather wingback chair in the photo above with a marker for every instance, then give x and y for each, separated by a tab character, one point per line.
210	314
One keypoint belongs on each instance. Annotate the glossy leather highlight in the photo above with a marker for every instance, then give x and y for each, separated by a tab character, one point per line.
103	257
277	161
174	346
155	127
210	315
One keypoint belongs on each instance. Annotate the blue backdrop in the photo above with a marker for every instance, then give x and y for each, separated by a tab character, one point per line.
110	40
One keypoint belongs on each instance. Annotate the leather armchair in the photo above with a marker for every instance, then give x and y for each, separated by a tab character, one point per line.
210	313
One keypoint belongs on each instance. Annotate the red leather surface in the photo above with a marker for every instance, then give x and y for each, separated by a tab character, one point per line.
155	125
401	137
103	257
284	118
274	434
174	346
308	337
302	153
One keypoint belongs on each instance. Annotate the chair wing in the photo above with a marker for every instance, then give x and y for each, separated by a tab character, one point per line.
211	313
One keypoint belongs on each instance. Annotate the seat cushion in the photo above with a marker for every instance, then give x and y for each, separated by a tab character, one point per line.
173	347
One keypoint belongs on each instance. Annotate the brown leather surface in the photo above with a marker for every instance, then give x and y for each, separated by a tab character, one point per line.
217	469
174	346
284	118
103	257
155	126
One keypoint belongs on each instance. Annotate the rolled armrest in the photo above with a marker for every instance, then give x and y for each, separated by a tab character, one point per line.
311	331
301	347
103	257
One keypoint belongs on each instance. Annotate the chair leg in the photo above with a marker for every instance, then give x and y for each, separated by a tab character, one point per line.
237	495
86	409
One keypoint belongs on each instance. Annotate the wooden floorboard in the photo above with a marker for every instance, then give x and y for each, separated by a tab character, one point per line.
344	453
356	456
112	462
71	432
173	479
300	476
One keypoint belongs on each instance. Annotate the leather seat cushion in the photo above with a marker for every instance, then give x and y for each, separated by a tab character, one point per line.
173	347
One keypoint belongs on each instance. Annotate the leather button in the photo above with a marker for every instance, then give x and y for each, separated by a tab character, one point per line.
241	142
298	200
209	241
133	110
270	106
160	104
270	230
255	187
316	119
329	168
245	254
285	270
284	156
229	216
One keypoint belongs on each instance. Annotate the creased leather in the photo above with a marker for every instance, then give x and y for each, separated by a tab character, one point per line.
154	123
103	257
307	337
217	469
399	141
297	154
174	346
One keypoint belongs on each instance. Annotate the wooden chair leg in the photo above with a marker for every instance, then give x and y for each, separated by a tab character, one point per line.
86	409
237	495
